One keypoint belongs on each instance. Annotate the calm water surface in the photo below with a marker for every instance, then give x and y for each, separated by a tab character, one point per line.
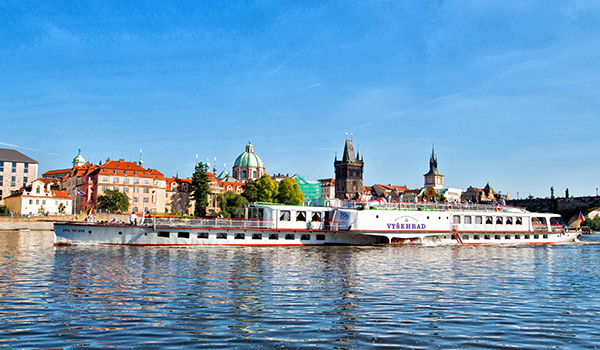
295	298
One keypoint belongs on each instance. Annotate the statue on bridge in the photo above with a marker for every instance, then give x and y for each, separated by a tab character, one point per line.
552	192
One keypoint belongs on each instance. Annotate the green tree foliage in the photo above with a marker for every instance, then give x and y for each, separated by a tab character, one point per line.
289	192
267	189
593	224
61	208
250	191
200	189
230	203
114	201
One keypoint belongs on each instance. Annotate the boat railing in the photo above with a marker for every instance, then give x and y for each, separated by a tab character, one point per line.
211	222
425	206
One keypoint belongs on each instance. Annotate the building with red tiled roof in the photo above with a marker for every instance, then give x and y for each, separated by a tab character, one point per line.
145	188
39	199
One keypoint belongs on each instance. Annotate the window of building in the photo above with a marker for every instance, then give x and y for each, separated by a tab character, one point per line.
125	180
136	181
126	189
146	190
146	182
25	181
115	180
136	190
284	215
37	201
1	180
31	201
26	168
146	200
104	179
14	167
135	209
135	199
301	216
13	179
1	166
104	188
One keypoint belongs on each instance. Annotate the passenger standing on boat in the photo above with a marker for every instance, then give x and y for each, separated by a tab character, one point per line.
133	219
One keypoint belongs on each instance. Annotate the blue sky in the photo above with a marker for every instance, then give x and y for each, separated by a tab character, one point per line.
508	91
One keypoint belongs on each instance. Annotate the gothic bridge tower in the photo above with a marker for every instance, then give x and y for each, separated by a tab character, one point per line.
349	173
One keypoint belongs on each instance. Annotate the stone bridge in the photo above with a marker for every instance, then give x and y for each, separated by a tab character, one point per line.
569	208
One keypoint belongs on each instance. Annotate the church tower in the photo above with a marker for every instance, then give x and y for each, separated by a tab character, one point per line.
433	178
348	173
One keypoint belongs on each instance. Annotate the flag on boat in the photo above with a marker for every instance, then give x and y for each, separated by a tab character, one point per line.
581	217
80	193
113	220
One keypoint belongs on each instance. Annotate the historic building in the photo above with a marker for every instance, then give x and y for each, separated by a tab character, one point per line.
145	188
38	198
178	196
16	170
433	178
348	174
248	165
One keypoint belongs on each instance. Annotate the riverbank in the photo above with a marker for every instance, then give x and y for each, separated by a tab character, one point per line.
46	223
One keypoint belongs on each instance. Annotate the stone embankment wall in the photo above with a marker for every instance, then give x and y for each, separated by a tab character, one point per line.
46	223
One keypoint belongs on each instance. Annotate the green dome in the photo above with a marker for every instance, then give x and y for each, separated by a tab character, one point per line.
249	159
79	158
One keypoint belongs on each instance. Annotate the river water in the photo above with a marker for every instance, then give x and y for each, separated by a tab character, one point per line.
489	297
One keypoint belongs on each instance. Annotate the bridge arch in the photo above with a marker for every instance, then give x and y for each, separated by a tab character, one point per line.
567	208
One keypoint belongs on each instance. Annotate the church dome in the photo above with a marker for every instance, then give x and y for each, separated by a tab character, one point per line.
249	159
79	160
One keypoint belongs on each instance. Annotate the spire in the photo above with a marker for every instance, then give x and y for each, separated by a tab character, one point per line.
141	163
433	164
215	166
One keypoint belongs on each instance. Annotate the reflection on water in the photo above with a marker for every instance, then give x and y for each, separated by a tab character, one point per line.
277	297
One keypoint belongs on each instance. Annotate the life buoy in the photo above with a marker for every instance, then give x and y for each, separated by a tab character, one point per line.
328	204
449	207
401	205
498	209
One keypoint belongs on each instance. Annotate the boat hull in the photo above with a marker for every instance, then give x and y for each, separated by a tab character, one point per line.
68	233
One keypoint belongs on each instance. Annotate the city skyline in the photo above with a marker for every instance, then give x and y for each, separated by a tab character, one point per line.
507	92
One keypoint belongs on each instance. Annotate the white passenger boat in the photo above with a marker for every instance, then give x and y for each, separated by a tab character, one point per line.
334	222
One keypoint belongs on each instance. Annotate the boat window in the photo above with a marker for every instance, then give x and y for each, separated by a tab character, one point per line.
456	219
467	220
536	236
163	234
273	236
496	236
290	236
499	220
519	221
526	236
305	237
239	236
257	236
284	215
301	216
320	237
221	235
475	236
506	236
545	235
203	235
556	221
488	220
478	220
517	236
465	237
509	220
316	216
486	237
538	220
183	235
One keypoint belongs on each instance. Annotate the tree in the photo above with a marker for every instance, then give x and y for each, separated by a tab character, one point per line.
113	201
289	192
267	189
250	191
200	189
230	203
593	224
61	208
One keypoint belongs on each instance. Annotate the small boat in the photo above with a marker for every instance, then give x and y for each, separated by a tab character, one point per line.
333	222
